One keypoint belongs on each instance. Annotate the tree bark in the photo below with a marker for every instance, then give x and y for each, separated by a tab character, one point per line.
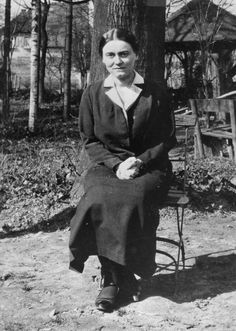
97	70
6	63
68	54
34	64
146	19
151	36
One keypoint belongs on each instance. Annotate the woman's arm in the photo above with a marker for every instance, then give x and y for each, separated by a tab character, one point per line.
96	150
160	136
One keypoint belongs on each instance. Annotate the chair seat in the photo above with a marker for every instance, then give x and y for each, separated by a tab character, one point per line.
175	198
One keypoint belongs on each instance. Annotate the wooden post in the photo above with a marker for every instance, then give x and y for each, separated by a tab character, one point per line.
198	141
232	109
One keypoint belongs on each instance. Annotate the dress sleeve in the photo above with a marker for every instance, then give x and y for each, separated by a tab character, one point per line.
161	134
96	150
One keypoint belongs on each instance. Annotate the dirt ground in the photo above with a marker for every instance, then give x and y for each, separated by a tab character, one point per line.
38	292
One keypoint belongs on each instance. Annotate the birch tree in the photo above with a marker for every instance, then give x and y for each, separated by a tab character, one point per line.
34	64
6	62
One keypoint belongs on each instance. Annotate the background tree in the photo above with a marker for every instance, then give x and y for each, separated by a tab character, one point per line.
6	63
55	69
34	64
45	6
205	64
68	54
207	23
81	43
150	29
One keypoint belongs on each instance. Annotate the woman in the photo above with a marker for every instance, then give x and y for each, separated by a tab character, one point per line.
127	129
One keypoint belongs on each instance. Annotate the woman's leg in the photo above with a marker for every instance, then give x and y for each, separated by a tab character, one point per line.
118	275
109	271
106	299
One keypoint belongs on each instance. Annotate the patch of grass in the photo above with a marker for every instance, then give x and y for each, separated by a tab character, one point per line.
36	177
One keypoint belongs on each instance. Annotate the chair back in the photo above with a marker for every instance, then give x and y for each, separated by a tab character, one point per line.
185	126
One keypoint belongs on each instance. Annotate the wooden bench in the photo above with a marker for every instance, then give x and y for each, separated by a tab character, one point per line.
216	124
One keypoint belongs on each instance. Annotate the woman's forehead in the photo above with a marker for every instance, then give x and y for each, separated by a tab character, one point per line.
116	46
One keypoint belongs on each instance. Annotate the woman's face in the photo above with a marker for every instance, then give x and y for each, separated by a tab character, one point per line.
119	59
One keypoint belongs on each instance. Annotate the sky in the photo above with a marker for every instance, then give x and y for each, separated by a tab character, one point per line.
17	5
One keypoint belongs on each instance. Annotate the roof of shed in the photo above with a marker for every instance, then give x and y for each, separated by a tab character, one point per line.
199	18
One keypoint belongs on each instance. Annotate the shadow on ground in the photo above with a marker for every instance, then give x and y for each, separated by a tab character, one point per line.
59	221
207	278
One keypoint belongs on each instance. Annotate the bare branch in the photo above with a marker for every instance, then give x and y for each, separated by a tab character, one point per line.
23	5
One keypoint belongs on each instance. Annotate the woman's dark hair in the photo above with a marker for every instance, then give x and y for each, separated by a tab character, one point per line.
118	34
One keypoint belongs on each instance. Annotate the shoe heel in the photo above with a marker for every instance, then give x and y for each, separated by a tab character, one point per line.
136	296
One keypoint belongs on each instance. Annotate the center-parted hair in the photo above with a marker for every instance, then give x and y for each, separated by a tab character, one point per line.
118	34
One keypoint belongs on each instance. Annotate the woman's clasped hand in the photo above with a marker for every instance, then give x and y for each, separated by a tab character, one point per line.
130	168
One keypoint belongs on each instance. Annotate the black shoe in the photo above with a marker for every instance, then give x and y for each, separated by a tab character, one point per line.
130	287
107	298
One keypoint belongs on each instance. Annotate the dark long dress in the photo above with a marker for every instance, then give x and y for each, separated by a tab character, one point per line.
117	218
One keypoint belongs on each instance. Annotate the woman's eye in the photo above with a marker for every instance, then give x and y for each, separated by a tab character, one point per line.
124	54
121	55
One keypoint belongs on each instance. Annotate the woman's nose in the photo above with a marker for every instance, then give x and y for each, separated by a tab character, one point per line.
117	59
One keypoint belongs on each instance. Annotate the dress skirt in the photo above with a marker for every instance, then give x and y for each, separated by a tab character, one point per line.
117	219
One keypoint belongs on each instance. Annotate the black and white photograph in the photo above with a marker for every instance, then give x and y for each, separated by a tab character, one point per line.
117	165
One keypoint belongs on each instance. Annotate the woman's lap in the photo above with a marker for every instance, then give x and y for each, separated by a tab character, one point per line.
121	214
104	180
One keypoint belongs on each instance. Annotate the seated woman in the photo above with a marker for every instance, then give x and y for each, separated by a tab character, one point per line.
127	129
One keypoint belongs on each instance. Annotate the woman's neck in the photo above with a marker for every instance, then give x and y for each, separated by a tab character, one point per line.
127	81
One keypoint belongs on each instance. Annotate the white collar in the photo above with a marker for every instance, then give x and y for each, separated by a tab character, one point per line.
110	81
132	92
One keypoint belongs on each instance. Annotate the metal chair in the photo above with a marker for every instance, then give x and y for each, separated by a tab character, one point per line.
178	198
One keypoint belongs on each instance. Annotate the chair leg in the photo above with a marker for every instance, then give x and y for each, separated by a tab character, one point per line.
178	243
181	251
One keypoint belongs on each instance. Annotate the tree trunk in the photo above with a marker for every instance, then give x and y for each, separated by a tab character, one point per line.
6	63
68	54
146	19
44	46
97	70
34	64
150	30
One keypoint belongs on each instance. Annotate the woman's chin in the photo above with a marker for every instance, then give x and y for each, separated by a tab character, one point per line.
121	75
